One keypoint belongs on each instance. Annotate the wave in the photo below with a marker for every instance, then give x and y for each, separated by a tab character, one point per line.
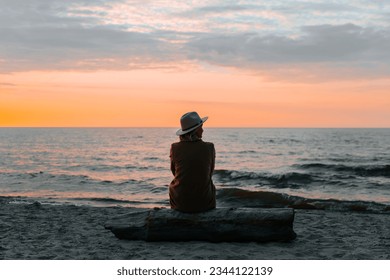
111	167
108	200
226	197
66	178
101	201
361	170
236	197
302	176
247	152
286	180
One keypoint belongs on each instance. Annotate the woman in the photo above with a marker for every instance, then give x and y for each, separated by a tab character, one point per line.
192	164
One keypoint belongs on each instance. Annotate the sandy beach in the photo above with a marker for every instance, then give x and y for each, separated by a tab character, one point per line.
36	231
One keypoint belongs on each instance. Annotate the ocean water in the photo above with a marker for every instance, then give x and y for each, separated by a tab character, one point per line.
331	169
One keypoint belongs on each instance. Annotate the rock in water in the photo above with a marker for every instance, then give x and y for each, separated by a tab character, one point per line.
217	225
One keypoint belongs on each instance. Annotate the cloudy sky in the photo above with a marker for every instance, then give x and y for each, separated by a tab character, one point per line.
242	63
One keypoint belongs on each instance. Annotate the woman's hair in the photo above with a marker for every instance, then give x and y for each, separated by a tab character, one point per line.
190	136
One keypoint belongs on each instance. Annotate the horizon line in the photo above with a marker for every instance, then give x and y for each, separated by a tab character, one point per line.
217	127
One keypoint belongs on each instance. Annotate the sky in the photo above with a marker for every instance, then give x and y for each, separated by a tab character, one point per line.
140	63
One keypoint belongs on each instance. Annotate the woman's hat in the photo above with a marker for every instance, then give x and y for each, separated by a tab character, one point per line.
189	122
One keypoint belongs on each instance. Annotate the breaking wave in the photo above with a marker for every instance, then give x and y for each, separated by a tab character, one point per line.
287	180
236	197
360	170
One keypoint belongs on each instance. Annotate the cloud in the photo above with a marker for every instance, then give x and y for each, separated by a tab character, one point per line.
345	46
279	39
297	7
55	47
7	85
218	9
40	35
255	6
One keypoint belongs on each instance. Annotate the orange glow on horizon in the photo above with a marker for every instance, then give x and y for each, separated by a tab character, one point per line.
151	98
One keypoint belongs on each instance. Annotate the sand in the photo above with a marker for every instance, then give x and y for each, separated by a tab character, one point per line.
35	231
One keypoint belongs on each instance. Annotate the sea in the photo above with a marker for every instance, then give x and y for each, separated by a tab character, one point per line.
304	168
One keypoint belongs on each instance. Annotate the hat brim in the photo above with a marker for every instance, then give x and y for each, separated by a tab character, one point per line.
182	132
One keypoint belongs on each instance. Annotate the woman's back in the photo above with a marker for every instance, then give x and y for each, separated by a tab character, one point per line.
192	164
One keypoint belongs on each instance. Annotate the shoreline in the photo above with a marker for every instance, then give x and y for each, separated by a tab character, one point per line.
66	232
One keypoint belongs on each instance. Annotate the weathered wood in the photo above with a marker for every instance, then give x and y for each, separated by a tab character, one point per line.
218	225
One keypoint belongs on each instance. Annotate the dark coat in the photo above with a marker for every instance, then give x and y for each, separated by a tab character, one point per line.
192	164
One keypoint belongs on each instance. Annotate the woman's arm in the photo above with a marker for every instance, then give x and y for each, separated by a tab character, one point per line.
172	163
213	160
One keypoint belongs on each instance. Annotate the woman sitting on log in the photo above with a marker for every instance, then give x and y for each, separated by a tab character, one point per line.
192	163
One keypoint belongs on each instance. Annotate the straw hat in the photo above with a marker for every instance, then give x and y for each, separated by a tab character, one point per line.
189	122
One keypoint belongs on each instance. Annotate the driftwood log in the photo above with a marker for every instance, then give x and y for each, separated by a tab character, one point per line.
218	225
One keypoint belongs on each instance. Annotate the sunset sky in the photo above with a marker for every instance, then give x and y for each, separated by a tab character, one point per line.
129	63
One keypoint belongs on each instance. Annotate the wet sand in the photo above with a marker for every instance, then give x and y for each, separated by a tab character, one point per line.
36	231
